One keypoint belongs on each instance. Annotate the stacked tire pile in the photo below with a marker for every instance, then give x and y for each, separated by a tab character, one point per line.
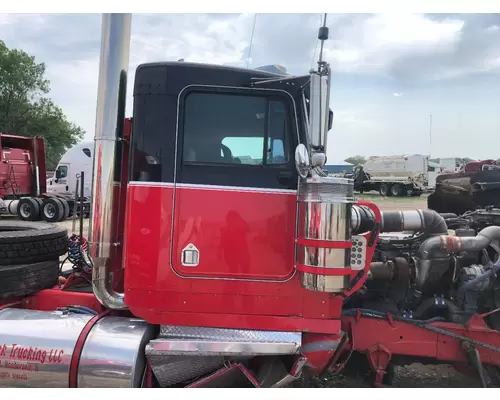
29	257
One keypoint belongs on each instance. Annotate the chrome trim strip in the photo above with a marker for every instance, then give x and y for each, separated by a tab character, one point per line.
180	347
213	187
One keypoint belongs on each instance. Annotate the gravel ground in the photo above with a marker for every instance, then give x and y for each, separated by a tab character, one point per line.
413	376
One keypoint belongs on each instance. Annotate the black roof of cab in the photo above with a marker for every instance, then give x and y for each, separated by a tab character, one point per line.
169	78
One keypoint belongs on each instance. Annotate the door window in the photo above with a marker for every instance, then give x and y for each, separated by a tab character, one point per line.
235	129
62	171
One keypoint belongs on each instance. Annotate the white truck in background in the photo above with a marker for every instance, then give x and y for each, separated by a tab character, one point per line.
404	175
451	164
72	163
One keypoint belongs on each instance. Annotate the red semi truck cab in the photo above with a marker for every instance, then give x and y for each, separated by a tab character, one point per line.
23	183
242	261
210	228
22	166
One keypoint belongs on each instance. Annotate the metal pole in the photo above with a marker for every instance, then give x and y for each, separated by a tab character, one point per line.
82	182
77	188
114	60
430	134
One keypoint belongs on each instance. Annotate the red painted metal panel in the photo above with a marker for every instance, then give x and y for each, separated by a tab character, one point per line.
411	340
154	291
240	234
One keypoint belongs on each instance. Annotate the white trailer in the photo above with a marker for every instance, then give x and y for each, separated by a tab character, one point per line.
415	166
405	175
398	167
77	159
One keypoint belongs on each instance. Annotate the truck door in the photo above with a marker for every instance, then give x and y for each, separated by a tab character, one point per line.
59	183
86	167
432	175
235	185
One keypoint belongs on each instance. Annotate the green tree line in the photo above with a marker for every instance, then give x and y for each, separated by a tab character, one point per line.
25	108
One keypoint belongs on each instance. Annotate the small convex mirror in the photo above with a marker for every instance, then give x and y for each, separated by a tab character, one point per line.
302	161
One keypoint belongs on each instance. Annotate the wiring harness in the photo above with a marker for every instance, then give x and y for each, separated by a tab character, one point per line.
77	247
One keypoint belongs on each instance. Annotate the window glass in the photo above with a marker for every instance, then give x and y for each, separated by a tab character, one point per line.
277	151
245	150
63	171
87	152
235	129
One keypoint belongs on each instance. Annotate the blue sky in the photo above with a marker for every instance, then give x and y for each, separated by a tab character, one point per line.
390	71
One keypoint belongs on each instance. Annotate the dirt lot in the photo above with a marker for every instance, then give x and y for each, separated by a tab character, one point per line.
416	375
396	203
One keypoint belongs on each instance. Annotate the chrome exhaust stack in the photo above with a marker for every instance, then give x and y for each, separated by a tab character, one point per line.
319	106
113	68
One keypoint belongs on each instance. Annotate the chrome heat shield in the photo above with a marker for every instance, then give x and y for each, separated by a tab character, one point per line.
181	354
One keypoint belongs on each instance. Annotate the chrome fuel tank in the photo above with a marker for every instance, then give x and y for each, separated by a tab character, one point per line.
36	349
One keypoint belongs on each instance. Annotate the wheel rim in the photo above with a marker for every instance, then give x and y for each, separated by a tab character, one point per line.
25	210
49	211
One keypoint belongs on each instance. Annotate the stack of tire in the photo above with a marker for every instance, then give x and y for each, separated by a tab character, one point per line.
29	257
50	209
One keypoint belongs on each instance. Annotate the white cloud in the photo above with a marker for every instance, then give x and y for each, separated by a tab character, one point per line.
354	119
379	41
493	28
407	48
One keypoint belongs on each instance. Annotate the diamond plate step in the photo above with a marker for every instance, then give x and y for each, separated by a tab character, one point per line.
183	353
182	340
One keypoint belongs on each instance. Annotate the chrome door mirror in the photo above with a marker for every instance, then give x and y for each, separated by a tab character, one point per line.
302	161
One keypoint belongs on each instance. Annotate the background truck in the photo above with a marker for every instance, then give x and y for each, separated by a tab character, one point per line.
451	164
475	185
69	168
23	185
407	175
399	175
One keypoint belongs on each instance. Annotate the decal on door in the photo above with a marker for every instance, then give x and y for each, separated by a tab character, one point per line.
190	256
